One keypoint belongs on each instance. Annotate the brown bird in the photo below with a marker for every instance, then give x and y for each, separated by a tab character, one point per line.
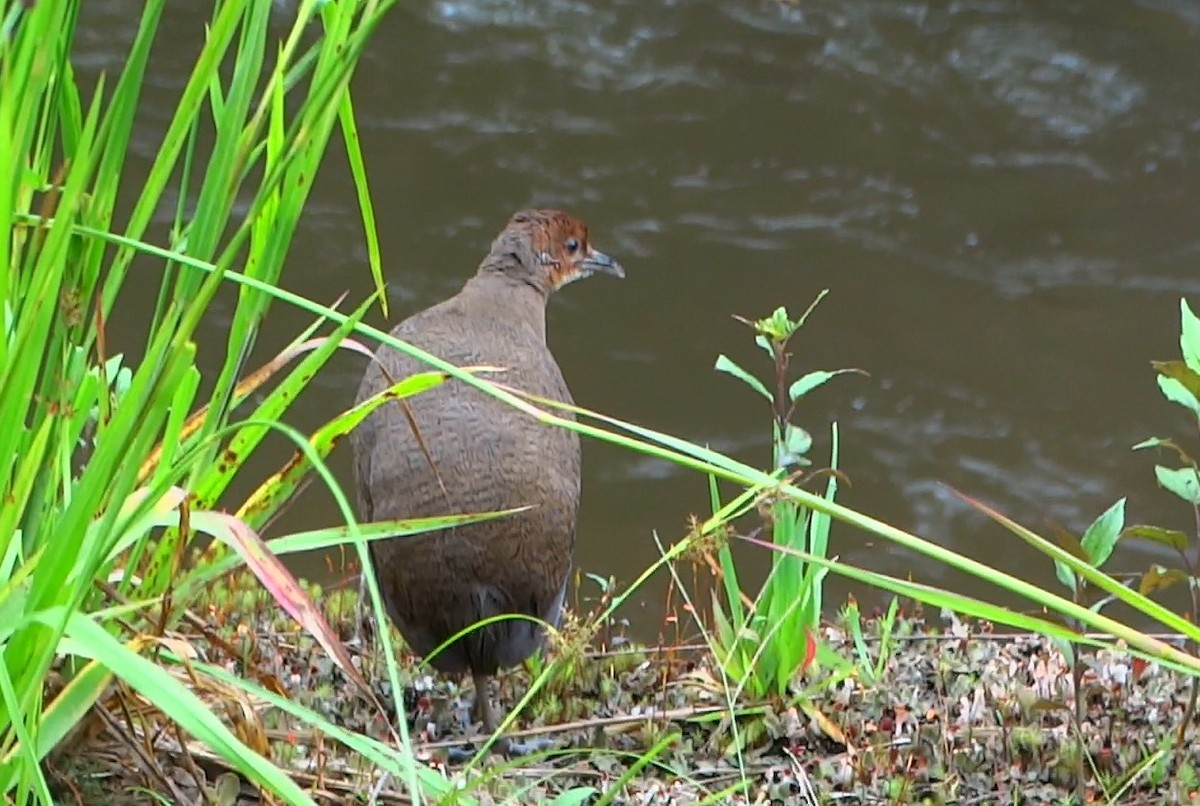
483	455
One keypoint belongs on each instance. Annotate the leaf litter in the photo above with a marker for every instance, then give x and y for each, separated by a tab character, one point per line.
955	713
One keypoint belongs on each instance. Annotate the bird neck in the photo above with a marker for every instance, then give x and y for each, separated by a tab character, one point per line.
508	298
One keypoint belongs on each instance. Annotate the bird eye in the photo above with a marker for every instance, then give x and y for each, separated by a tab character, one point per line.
572	244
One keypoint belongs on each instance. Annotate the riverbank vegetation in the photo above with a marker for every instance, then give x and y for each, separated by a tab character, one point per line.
157	649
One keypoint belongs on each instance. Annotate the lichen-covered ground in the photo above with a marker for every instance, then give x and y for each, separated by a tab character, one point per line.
952	714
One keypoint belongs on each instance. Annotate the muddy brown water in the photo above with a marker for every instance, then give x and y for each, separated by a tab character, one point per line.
1002	197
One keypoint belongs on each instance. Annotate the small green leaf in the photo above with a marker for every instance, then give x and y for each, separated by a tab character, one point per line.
1178	383
781	325
1152	442
1065	575
602	582
575	797
1070	544
226	790
122	382
725	364
725	634
1189	336
812	380
1166	444
1101	537
1067	648
796	444
1181	481
1156	534
112	368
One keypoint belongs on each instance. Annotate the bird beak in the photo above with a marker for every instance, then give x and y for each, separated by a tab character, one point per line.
597	261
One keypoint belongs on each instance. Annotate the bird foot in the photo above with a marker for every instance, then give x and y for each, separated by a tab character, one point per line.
504	746
534	745
482	712
485	714
465	753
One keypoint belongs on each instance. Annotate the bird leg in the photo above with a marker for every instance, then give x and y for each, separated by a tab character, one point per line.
483	711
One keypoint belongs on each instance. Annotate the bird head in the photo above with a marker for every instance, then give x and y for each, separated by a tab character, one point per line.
547	249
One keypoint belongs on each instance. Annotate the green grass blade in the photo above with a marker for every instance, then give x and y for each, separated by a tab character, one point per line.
358	173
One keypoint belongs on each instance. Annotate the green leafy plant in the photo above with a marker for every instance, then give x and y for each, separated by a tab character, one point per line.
871	668
764	643
1078	561
1179	382
1094	548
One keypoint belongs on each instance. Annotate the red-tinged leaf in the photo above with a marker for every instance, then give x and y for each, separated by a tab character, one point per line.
283	587
810	649
1181	373
1158	578
212	564
1155	534
1139	666
311	344
1069	543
